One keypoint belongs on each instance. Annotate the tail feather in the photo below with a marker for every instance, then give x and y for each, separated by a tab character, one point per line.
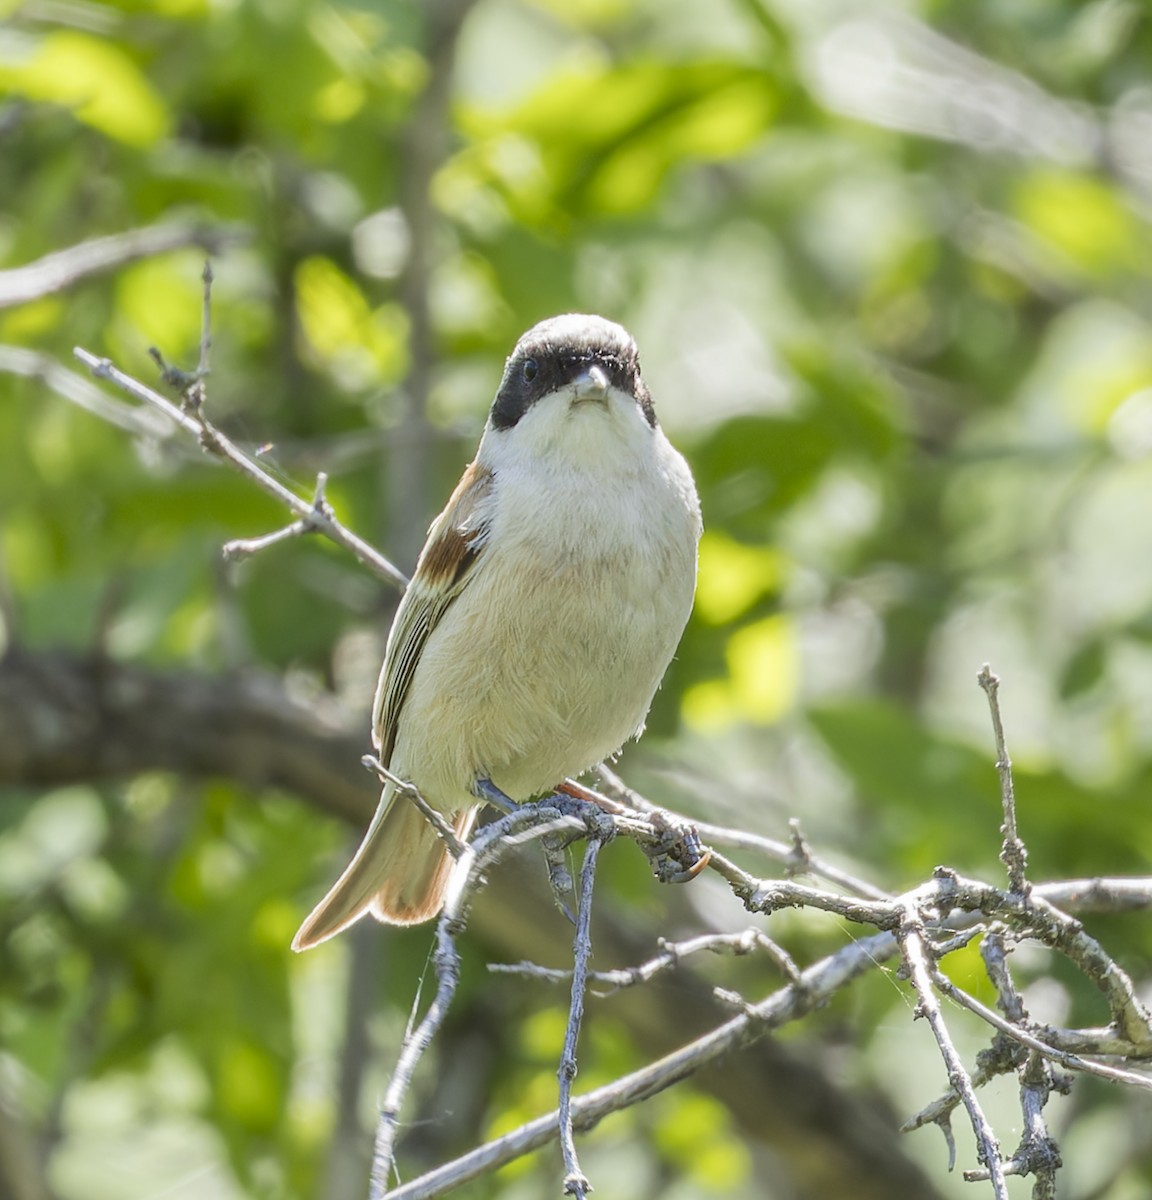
399	874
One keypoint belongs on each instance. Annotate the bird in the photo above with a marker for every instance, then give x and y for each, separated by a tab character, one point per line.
546	605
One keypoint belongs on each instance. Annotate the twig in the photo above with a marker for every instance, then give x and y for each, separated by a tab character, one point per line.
214	442
446	960
917	959
245	547
205	320
240	548
1013	853
575	1182
488	845
410	792
61	269
818	982
769	895
995	956
722	835
82	392
1097	895
1074	1062
1004	1056
670	956
1061	932
1037	1153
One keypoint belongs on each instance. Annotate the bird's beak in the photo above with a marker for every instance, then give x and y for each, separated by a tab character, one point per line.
591	384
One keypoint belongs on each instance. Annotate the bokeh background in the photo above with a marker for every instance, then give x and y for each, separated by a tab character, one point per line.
890	269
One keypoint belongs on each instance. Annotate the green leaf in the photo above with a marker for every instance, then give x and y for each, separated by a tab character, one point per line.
94	78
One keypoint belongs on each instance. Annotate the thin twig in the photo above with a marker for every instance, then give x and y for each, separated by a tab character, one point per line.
446	960
722	835
217	444
1097	895
1004	1056
240	548
670	956
467	876
1073	1062
918	960
769	895
206	278
410	792
1013	853
818	982
1037	1154
1061	932
575	1182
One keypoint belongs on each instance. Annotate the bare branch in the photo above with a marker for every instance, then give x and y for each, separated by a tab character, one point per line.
1074	1062
818	982
321	519
205	320
1098	895
1064	933
61	269
721	835
1037	1153
410	792
918	960
82	392
575	1182
1013	854
670	956
486	847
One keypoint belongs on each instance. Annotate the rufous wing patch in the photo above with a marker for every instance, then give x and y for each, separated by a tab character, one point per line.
455	544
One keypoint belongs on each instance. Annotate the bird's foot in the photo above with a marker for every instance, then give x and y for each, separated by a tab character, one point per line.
680	855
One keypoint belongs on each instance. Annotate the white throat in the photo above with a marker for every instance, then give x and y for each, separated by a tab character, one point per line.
574	431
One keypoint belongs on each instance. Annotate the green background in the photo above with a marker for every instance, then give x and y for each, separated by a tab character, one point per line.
890	270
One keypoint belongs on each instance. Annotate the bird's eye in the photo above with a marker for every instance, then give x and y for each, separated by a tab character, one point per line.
529	370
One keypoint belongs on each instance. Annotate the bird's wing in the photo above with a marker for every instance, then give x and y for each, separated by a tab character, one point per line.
455	545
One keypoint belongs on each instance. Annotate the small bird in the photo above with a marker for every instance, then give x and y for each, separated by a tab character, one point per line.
545	608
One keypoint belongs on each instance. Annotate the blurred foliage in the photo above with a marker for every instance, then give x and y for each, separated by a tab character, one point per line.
890	273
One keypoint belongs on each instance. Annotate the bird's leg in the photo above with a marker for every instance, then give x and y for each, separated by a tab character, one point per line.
485	789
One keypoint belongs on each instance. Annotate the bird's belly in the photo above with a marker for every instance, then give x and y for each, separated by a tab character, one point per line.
574	650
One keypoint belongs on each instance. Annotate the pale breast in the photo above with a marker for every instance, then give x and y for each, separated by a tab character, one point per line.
548	661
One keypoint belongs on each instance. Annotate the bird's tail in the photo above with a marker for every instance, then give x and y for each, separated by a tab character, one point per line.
399	873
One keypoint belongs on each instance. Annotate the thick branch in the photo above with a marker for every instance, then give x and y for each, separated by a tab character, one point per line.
65	718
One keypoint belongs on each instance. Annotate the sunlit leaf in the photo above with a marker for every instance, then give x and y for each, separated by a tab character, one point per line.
607	137
1086	219
734	576
94	78
359	344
